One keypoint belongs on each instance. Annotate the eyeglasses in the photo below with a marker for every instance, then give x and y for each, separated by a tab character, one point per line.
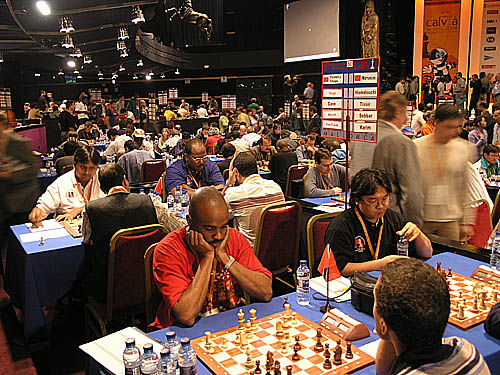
200	159
375	203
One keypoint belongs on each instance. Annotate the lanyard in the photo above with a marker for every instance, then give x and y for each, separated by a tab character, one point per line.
327	187
374	254
195	181
82	191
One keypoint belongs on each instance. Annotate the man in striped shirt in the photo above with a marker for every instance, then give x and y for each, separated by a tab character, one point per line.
253	193
411	309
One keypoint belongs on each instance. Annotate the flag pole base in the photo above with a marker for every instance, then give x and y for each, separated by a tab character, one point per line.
325	308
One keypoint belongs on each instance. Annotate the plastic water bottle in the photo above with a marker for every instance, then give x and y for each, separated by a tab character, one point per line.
174	346
177	200
185	202
131	358
170	201
187	357
166	366
149	363
495	252
402	246
303	289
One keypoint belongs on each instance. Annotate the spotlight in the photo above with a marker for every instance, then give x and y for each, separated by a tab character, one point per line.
162	75
37	74
122	68
124	52
67	42
87	59
177	71
60	72
76	71
114	75
1	57
100	74
66	24
43	7
151	73
113	81
79	76
123	33
135	76
101	78
139	62
148	77
137	15
71	63
76	53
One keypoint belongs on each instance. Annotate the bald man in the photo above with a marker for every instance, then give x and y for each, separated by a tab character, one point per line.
184	260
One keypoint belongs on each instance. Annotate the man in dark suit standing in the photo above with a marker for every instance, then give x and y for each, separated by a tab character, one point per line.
103	217
19	187
315	120
281	162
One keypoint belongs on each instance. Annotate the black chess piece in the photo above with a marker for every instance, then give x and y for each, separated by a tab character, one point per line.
295	356
277	370
257	369
337	355
289	370
348	352
297	344
327	364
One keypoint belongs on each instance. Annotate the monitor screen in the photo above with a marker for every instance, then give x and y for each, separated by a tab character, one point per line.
311	30
70	79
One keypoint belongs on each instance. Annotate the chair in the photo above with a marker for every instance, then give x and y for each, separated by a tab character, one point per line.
225	174
277	239
66	168
125	293
295	172
483	225
153	296
495	214
316	230
151	170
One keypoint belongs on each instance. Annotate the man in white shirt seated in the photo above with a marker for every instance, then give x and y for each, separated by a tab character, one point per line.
139	138
253	193
307	150
251	137
66	197
132	161
116	147
239	143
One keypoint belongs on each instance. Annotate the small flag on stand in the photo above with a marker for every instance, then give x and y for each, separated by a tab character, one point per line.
328	266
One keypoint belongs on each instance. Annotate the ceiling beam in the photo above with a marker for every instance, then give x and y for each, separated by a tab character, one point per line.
84	30
16	20
5	41
97	42
99	8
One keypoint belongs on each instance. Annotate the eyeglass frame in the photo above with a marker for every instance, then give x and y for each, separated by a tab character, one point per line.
384	203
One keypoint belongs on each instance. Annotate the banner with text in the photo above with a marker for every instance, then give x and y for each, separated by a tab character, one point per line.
490	38
351	87
440	40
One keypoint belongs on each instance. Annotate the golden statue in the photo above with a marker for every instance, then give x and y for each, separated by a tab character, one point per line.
369	31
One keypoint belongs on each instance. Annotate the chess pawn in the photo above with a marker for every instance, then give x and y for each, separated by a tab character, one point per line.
243	341
450	274
241	316
224	344
461	314
248	330
279	329
348	351
284	348
327	364
438	267
287	339
297	344
337	355
294	318
257	367
249	363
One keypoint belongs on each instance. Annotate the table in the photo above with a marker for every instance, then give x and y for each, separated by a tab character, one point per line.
45	178
36	276
488	346
101	146
37	135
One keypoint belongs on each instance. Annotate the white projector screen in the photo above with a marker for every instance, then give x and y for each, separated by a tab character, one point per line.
311	30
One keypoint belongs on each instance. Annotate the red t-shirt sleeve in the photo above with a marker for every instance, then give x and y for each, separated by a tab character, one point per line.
242	252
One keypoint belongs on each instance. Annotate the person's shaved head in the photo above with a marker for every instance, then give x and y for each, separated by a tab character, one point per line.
208	214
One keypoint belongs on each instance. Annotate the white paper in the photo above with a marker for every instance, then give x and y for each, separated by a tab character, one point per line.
108	350
44	225
37	236
328	208
370	348
336	287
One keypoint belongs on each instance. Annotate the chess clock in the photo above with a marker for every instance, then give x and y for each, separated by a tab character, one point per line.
344	326
486	274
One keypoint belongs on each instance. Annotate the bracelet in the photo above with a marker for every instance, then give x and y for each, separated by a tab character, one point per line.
229	263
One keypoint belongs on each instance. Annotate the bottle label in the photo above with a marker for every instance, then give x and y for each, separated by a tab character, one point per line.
188	370
133	371
303	283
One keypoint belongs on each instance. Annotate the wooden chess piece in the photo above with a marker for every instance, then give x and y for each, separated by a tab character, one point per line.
449	272
495	295
461	314
474	305
348	351
277	366
279	329
269	367
482	304
241	316
289	369
297	344
224	344
295	356
257	367
42	242
327	364
294	318
318	348
249	363
285	301
248	330
253	317
438	267
337	355
284	348
243	341
287	339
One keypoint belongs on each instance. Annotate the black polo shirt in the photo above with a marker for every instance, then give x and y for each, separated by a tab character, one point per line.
347	239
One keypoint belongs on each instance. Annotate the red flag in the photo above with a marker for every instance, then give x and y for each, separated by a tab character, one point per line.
328	266
159	186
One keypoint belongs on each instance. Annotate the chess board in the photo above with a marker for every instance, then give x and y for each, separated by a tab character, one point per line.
73	226
466	285
340	198
231	360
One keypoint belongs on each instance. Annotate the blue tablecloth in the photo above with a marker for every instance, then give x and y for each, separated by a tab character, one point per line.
100	146
37	275
487	346
320	201
45	179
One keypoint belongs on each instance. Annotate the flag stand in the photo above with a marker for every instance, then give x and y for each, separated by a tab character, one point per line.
326	307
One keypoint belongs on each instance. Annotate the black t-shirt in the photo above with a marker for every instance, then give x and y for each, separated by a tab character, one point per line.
347	239
279	164
67	121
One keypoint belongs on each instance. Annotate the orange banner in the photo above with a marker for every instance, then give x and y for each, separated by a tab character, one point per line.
440	40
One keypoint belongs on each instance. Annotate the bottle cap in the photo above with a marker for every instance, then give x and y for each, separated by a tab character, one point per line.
185	341
148	348
130	343
165	352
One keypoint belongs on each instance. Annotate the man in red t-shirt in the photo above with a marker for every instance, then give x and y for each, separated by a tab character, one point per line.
186	258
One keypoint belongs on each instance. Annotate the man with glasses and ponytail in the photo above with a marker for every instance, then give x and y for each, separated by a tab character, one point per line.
194	170
365	236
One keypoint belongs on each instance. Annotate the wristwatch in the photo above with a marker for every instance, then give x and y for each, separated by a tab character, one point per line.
229	263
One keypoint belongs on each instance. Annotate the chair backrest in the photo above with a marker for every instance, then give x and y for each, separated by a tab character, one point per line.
163	181
225	174
316	230
152	170
125	266
66	168
483	225
295	172
277	239
153	296
495	214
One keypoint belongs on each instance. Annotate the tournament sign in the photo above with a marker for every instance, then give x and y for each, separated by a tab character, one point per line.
351	87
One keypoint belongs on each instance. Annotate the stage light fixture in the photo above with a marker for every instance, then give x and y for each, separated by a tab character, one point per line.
87	59
43	7
139	62
123	33
77	52
177	71
37	74
122	68
1	57
137	15
135	76
60	72
66	24
148	77
67	42
100	74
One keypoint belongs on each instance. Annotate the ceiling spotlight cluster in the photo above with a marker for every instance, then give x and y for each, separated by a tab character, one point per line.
122	48
137	15
123	33
87	59
76	53
122	68
66	24
139	62
68	42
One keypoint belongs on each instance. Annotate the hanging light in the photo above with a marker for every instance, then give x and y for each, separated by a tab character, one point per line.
101	78
100	74
1	57
139	62
177	71
71	63
114	75
60	72
135	76
123	33
77	52
76	71
67	42
148	77
122	68
151	73
66	24
87	59
124	52
162	75
43	7
137	15
37	74
79	76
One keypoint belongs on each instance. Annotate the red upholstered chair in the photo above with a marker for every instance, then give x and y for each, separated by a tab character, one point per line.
152	170
295	172
495	214
153	296
126	291
316	229
483	225
277	240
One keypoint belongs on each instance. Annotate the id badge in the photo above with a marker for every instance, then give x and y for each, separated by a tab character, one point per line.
437	195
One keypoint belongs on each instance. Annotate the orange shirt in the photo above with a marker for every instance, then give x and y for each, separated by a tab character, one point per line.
427	129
